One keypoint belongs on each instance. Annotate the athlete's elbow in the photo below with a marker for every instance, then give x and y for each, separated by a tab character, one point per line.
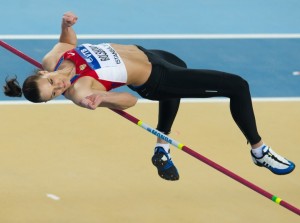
134	101
130	102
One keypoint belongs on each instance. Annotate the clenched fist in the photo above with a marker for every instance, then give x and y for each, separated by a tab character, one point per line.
69	19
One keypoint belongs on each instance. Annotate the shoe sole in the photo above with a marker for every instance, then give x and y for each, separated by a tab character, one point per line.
277	173
167	174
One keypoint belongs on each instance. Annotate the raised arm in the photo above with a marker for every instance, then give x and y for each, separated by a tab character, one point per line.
67	41
68	34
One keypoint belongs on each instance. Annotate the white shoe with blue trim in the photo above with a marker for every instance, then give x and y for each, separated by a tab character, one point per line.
274	162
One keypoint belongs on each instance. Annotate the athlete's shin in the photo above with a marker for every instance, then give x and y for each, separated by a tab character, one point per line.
166	115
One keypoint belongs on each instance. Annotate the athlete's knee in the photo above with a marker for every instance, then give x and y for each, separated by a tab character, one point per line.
240	84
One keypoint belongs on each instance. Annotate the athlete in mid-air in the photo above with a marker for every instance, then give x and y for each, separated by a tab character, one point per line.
85	74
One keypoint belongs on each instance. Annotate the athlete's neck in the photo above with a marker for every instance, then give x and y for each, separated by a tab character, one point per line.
67	68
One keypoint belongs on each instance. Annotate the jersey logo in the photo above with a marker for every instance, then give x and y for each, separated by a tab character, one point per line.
82	66
88	57
72	54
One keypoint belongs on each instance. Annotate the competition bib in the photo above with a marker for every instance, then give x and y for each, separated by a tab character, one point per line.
99	56
104	60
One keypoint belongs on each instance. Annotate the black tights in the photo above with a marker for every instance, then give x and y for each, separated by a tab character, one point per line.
171	80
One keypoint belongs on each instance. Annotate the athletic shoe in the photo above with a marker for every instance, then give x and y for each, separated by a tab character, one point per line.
274	162
165	167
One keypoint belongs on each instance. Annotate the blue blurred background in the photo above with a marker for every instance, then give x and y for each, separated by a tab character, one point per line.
266	62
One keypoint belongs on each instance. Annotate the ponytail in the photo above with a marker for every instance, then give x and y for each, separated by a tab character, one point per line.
12	88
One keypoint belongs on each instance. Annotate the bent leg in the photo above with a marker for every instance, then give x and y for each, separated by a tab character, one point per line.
167	112
242	110
168	108
190	83
179	82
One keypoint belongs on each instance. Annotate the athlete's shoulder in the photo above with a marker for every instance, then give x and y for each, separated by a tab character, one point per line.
50	59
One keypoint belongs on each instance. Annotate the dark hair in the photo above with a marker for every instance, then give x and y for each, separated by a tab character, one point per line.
29	89
12	88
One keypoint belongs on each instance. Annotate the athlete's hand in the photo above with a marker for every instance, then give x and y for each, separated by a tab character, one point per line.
92	101
69	19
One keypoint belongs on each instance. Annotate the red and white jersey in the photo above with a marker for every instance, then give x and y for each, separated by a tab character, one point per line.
100	61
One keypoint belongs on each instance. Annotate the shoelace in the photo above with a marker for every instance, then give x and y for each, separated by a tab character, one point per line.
273	159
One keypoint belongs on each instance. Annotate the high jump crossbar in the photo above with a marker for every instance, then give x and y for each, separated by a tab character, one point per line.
173	142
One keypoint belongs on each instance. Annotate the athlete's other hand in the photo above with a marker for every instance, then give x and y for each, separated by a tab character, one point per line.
69	19
92	101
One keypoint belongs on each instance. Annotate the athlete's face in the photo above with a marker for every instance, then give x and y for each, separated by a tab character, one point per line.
52	85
